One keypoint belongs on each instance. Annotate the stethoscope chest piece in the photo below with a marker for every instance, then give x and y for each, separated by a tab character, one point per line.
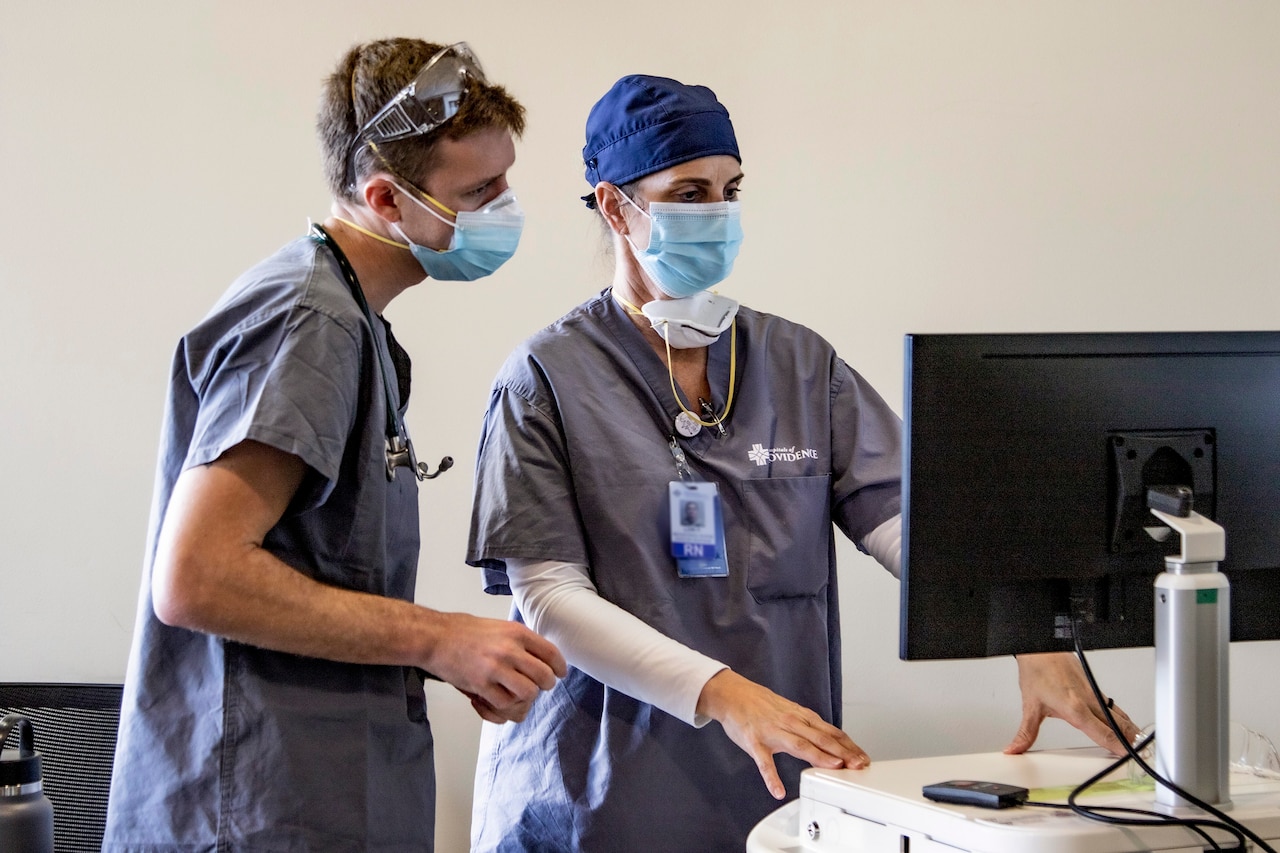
687	425
400	455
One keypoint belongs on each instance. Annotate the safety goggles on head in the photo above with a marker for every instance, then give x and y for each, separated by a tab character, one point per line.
431	99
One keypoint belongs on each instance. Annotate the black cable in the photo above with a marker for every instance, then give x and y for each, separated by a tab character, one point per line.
1097	815
1150	818
1225	823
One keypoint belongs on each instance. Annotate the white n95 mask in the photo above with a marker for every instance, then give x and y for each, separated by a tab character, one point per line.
692	322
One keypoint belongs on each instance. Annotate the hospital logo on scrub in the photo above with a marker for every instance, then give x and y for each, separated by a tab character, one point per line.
762	456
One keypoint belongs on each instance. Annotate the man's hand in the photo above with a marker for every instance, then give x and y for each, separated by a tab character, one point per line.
763	723
212	574
500	666
1054	685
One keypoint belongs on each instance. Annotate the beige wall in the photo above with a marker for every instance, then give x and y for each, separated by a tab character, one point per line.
1030	165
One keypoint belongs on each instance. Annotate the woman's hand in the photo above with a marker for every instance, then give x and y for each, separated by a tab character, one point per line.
763	724
1054	685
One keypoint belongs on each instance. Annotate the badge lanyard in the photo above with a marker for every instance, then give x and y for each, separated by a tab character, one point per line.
398	444
697	518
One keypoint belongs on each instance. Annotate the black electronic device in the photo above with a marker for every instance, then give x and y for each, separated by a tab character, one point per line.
1027	467
968	792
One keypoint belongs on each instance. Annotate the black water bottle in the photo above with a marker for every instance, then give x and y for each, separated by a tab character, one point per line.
26	815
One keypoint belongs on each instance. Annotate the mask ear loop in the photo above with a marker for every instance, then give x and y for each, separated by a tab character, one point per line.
419	202
628	200
368	233
643	213
399	182
631	309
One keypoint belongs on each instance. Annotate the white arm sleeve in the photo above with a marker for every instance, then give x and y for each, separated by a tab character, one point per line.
885	544
559	601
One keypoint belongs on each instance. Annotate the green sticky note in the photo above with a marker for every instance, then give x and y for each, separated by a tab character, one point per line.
1146	783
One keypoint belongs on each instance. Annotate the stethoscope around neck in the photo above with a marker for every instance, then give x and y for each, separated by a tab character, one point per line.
398	444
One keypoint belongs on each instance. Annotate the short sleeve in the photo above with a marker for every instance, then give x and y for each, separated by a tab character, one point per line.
524	502
287	379
866	449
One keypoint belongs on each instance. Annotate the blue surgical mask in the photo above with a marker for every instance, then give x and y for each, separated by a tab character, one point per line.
483	239
691	246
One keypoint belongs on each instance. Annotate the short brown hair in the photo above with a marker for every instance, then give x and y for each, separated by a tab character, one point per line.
371	74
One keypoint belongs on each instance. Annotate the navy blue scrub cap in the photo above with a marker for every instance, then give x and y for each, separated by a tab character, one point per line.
646	124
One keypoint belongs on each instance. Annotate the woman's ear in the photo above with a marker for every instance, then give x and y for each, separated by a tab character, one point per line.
609	202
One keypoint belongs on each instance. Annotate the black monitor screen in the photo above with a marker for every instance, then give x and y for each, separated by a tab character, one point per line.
1028	458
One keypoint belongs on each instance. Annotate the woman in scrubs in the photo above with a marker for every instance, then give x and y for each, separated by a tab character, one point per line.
604	431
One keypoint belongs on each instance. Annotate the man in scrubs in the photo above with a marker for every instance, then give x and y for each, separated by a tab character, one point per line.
274	695
602	430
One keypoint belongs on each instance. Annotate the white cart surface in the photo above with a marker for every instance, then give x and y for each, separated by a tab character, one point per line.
881	810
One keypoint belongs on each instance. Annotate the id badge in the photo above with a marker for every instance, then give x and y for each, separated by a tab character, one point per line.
697	529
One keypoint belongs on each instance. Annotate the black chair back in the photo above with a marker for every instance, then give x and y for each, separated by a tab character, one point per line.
75	734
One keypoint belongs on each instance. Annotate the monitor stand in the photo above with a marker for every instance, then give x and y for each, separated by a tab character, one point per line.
1192	642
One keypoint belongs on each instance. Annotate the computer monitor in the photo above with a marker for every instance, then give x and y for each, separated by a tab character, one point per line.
1027	461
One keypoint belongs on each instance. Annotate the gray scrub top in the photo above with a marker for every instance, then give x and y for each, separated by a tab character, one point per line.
230	747
573	465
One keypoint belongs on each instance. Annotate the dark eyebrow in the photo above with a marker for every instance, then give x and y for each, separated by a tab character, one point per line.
702	182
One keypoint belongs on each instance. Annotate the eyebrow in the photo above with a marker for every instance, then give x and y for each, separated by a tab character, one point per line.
702	182
479	184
